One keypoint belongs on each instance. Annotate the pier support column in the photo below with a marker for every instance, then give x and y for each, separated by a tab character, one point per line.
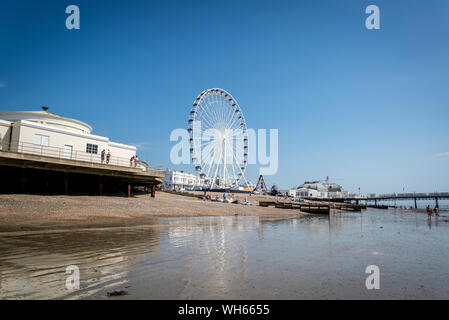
375	202
416	206
23	180
100	186
66	183
153	191
436	202
129	189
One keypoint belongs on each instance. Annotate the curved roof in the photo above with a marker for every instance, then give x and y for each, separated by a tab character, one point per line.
47	117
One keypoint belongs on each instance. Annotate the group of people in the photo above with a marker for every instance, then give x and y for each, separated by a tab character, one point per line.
133	161
103	155
429	210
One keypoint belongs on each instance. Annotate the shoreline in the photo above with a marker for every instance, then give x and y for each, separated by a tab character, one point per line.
27	212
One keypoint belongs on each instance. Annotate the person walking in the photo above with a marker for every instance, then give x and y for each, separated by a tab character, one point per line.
108	157
102	155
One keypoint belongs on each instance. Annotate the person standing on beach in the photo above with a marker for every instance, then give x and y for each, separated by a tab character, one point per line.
437	211
102	155
429	210
108	157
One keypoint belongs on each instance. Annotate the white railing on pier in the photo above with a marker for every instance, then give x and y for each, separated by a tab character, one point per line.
75	155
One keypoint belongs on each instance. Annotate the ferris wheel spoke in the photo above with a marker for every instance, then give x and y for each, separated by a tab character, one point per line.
233	123
232	154
206	113
207	151
206	122
230	116
206	108
210	106
218	166
211	164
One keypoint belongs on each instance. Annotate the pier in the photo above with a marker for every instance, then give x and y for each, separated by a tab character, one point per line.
435	196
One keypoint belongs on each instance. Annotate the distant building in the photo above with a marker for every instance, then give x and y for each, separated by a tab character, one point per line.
318	189
180	180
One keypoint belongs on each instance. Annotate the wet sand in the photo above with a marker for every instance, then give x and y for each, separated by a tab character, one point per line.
19	212
235	257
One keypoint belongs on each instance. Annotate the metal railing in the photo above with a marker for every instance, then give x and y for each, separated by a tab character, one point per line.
75	155
413	195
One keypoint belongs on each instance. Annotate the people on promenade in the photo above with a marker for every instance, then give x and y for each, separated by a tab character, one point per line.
133	161
102	155
108	157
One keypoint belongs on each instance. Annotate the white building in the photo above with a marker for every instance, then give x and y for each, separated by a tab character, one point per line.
318	189
48	134
180	180
303	192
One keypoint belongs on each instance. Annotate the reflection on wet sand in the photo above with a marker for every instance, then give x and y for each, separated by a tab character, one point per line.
267	257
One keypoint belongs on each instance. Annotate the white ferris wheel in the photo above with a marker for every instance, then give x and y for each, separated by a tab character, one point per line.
218	139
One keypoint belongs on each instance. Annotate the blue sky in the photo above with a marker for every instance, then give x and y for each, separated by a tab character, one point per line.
367	108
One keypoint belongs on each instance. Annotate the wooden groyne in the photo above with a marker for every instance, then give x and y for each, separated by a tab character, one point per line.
377	206
304	207
316	206
347	206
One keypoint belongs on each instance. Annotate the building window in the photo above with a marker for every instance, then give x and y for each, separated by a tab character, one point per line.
41	140
92	148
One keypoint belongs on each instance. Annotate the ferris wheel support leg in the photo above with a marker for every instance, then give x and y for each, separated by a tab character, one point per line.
224	163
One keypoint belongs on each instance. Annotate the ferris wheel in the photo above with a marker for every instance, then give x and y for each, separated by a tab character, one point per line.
218	139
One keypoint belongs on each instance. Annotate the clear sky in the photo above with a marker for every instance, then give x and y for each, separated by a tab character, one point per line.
367	108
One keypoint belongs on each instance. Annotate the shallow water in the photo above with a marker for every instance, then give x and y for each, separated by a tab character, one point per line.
275	257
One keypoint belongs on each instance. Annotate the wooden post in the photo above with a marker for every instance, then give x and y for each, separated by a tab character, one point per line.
153	191
129	189
100	189
23	180
416	206
66	183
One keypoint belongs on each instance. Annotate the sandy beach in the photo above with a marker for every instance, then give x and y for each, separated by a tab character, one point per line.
23	212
